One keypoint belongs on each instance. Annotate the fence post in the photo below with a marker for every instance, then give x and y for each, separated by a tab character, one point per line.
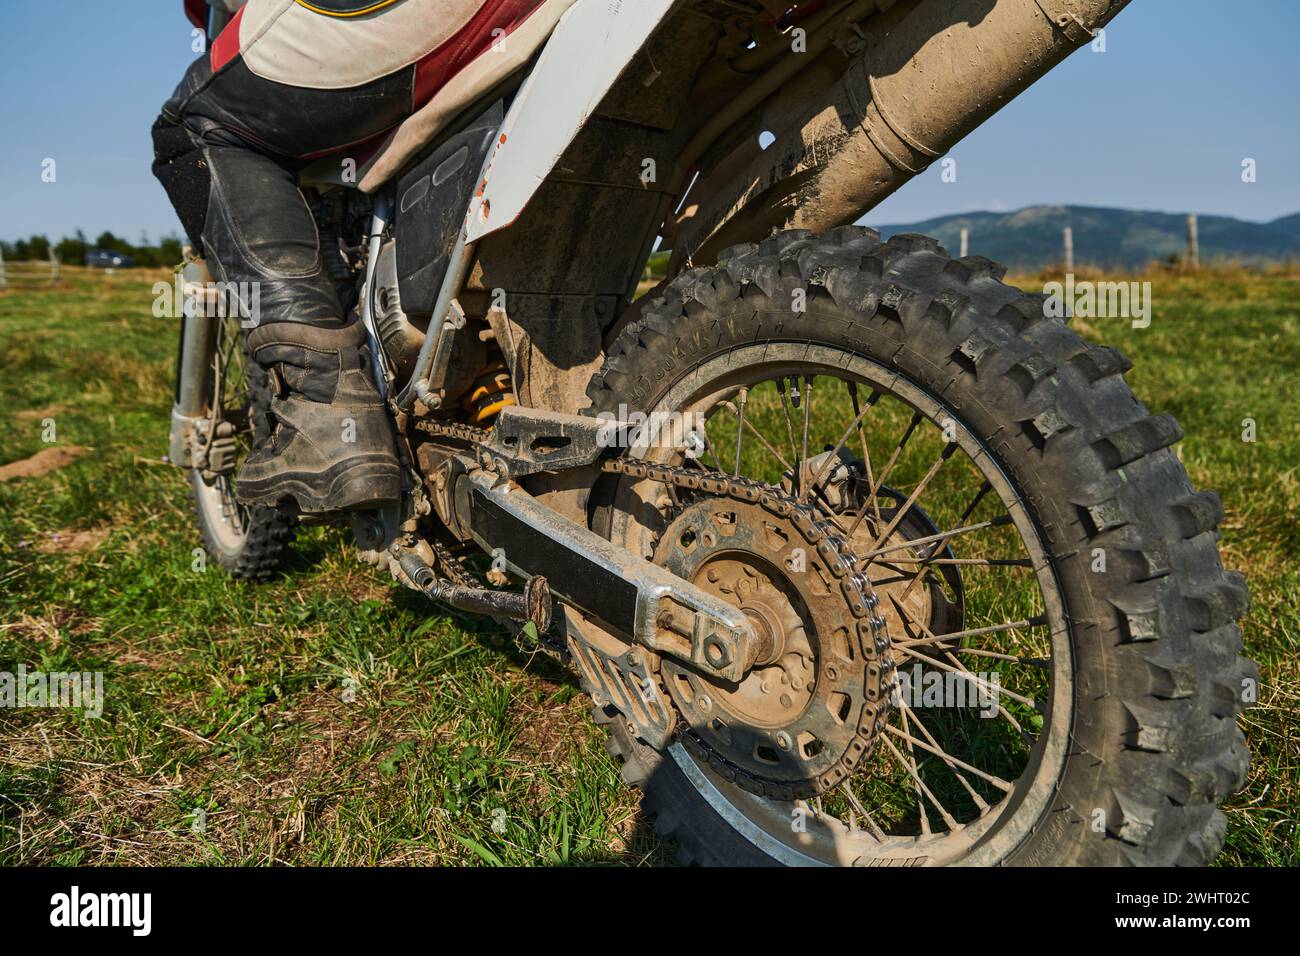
965	241
54	266
1193	242
1068	237
3	280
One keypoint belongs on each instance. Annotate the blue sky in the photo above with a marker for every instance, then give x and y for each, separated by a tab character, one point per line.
1162	120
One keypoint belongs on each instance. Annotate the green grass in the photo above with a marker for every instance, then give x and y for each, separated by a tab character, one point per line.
229	697
234	699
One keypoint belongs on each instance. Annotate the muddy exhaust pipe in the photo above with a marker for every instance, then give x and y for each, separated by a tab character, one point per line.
927	78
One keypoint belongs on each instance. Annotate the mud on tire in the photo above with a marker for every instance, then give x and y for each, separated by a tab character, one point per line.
1153	742
250	544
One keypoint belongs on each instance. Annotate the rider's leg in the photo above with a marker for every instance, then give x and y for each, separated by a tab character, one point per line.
333	447
285	83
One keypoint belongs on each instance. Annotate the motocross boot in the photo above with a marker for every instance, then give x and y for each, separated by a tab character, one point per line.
331	448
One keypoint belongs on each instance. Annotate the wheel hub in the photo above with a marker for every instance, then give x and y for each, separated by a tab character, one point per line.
906	605
922	609
780	685
805	715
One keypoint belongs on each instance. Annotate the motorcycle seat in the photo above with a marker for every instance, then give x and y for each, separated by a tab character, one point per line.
453	50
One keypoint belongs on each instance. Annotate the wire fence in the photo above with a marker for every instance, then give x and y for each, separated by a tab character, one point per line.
1191	258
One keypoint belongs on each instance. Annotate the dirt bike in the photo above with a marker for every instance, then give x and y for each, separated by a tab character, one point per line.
862	556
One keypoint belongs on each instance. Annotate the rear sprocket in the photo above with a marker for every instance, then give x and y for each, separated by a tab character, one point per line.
809	712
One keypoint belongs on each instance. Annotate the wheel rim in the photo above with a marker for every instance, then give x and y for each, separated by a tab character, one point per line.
928	758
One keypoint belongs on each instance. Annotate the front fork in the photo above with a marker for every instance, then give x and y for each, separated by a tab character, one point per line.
194	362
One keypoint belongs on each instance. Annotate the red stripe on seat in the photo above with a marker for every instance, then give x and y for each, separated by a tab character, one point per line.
226	46
435	69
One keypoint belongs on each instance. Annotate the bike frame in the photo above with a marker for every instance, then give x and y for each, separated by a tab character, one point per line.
543	121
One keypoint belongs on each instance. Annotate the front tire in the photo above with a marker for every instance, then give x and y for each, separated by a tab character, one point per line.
249	543
1146	744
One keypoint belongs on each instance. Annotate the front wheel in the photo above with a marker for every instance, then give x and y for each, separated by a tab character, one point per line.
1061	626
248	543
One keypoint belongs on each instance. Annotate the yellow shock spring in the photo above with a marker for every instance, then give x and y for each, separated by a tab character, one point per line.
492	391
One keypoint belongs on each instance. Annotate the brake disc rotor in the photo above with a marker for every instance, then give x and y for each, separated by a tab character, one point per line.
802	719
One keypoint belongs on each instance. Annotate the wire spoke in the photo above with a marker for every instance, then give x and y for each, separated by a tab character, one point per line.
743	399
920	785
862	437
1039	621
717	465
941	536
833	457
916	779
934	748
1039	662
917	418
781	387
760	436
857	806
1003	785
961	669
964	562
803	456
941	544
914	496
975	503
979	682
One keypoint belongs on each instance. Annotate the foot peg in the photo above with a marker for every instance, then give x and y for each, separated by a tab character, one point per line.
533	605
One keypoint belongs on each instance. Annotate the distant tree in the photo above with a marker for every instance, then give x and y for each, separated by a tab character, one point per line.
170	251
167	252
112	243
72	250
38	247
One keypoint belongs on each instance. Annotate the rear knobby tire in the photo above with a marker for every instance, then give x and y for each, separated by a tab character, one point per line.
1158	679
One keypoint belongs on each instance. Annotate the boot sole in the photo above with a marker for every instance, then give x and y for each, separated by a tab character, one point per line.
348	486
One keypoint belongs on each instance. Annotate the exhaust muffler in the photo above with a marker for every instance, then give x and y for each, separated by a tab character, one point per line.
926	80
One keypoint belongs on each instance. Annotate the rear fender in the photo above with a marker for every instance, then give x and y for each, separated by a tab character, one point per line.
551	108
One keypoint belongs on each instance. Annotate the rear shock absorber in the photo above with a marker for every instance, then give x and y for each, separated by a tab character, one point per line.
491	391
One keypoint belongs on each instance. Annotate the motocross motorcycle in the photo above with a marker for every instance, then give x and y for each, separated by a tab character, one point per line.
862	556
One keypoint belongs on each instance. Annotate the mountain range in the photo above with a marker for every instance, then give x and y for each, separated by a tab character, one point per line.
1031	238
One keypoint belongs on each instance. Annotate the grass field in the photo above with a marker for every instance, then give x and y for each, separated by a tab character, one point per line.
332	718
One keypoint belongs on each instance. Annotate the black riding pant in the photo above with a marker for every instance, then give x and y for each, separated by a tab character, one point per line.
228	148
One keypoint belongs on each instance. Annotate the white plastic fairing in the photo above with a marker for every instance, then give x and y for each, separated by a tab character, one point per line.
593	43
